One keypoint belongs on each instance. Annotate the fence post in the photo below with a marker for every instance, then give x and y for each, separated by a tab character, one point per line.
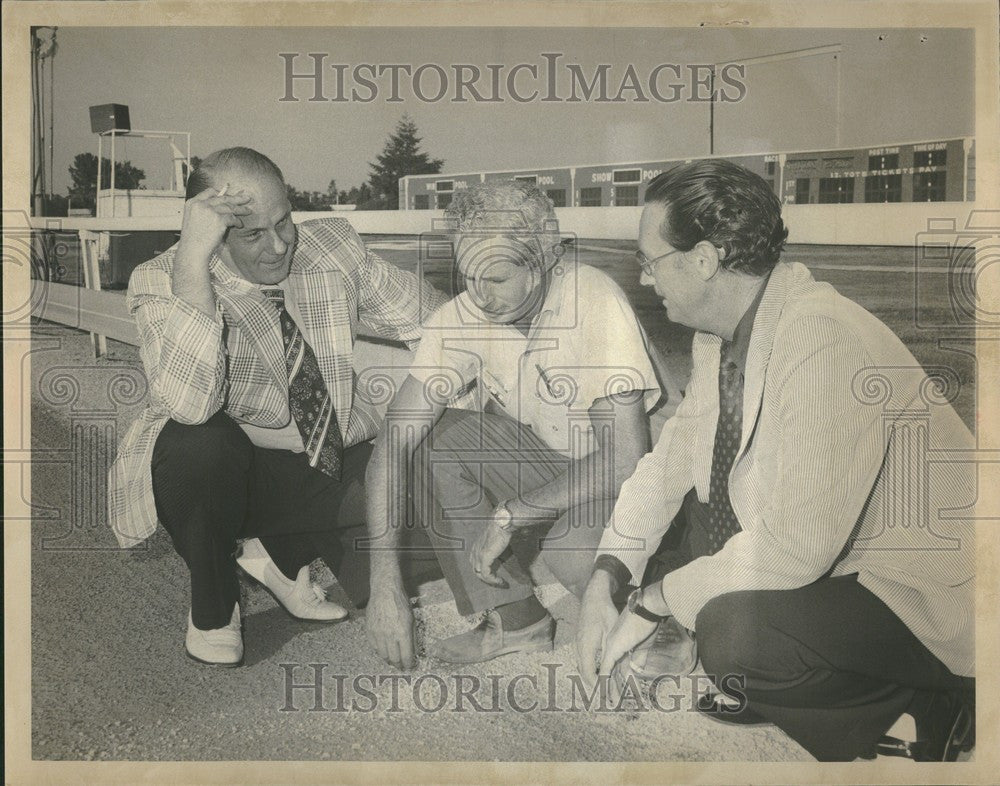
92	280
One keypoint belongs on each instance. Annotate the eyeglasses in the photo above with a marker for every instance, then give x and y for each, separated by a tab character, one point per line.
649	265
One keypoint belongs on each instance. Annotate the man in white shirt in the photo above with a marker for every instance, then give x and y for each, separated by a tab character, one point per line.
550	364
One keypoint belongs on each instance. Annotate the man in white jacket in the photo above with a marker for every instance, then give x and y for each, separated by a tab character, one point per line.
826	483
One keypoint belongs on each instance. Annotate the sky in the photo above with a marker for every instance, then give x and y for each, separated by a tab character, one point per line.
225	86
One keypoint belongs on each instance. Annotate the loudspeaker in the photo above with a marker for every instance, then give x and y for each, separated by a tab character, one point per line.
109	117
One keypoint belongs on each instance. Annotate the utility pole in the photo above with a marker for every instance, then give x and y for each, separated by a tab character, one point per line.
43	50
711	113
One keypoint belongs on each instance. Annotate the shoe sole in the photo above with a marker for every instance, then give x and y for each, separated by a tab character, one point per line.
196	659
644	673
959	736
547	647
648	675
960	739
277	600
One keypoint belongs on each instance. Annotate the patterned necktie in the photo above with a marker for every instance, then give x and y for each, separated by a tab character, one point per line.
308	399
722	521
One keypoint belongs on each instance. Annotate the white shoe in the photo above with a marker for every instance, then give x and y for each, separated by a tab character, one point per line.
218	647
301	598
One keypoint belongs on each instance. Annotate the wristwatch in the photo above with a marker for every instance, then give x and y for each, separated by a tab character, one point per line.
635	607
506	521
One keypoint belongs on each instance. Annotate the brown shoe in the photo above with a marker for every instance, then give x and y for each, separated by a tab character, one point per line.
670	650
489	640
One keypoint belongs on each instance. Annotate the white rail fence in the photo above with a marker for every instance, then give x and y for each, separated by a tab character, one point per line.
103	313
893	224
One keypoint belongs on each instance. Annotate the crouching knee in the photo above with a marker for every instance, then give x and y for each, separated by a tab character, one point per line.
727	635
203	450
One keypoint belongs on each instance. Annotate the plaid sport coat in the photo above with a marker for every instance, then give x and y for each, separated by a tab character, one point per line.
196	364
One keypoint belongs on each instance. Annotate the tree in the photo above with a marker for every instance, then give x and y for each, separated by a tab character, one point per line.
83	173
55	205
297	199
363	198
331	192
401	156
366	200
195	163
307	200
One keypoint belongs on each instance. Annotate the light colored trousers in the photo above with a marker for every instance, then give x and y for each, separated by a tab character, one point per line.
471	462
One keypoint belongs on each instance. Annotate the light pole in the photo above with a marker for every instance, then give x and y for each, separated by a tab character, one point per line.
42	54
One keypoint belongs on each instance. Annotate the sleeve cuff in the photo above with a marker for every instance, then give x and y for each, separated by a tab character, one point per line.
621	574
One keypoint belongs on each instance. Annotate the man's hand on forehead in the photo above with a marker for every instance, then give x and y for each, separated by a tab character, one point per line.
232	202
238	198
210	214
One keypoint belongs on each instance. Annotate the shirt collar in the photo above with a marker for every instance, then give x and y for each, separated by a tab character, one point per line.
555	299
737	349
221	272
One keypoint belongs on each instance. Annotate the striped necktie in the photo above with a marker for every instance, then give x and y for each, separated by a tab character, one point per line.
722	521
309	401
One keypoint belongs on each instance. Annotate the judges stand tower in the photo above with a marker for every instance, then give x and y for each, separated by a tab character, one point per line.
120	251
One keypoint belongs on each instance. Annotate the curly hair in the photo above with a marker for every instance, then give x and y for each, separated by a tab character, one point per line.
501	204
725	204
231	159
512	208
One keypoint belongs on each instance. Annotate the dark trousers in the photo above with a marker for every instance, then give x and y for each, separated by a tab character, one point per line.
213	486
828	663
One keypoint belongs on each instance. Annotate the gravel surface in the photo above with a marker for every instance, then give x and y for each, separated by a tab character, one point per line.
110	680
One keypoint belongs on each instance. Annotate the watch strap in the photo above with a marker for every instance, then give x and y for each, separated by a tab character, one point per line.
635	607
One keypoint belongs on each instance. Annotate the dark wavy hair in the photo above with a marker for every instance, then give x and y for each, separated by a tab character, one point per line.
725	204
232	159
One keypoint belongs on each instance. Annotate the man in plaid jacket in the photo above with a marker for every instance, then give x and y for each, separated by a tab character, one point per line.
217	455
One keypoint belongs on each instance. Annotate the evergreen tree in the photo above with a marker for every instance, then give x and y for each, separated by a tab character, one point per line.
401	156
